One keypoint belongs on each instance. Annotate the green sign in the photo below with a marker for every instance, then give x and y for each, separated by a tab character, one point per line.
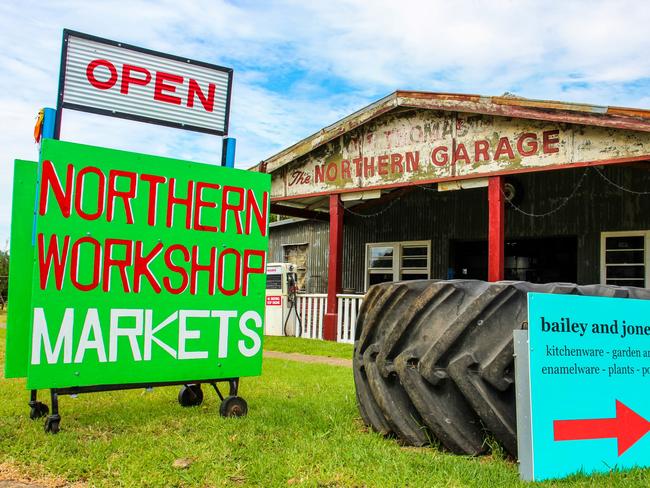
22	260
146	269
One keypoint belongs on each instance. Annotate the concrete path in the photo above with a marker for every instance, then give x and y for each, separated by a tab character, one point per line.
306	358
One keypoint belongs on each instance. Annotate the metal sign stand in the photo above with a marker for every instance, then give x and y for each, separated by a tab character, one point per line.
191	395
522	388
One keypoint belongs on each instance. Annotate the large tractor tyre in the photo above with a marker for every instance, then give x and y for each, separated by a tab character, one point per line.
433	360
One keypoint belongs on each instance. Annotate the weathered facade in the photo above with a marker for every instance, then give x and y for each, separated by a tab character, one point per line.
412	145
545	192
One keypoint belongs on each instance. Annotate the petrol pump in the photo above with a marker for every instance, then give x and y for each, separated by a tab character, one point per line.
281	312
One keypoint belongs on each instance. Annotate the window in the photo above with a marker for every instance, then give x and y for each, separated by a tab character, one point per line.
624	258
397	261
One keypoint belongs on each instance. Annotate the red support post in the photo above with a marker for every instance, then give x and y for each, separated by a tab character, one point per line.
335	273
496	206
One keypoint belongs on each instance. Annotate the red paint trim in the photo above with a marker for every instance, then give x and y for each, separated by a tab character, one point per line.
335	271
496	259
554	167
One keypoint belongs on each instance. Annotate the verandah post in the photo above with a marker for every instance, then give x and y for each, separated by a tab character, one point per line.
335	268
496	258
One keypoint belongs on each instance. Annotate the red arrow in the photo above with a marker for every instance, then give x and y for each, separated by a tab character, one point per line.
628	427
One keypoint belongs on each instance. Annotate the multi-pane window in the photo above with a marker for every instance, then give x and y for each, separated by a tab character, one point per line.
624	258
397	261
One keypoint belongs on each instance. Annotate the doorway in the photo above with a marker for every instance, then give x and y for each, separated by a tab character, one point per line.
544	260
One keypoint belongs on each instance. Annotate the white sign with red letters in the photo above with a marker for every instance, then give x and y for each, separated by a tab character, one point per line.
116	79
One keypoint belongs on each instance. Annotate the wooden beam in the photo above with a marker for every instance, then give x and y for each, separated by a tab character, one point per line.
318	203
389	197
298	212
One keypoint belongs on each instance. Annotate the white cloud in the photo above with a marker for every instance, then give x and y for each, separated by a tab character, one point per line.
300	65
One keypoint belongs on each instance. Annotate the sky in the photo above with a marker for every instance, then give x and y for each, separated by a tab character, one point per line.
302	65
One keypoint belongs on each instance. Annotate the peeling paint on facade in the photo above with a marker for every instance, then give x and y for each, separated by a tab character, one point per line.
408	146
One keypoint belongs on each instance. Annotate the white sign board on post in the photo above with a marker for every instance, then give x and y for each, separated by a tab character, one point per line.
116	79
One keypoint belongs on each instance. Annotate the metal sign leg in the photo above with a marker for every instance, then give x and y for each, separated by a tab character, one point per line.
37	409
54	419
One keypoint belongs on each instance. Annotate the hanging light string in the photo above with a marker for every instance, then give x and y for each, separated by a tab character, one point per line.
565	200
428	188
385	209
575	191
563	204
616	185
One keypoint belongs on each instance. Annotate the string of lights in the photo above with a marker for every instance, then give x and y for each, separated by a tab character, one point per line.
556	209
563	204
385	209
616	185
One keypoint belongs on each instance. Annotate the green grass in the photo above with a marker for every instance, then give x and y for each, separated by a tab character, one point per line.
308	346
303	429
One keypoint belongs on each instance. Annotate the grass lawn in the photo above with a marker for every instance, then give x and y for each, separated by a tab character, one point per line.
303	429
308	346
3	318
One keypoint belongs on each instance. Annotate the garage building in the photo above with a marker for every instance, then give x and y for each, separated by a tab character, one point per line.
432	185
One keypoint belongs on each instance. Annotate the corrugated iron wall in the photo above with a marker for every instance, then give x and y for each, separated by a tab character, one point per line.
463	215
313	233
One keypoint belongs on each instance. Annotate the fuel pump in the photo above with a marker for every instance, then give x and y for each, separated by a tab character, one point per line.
282	316
294	329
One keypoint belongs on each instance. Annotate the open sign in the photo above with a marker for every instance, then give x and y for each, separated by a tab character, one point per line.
116	79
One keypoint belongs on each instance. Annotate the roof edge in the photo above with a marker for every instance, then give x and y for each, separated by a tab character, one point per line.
508	106
332	131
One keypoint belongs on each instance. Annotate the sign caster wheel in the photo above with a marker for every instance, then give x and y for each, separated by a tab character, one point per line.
52	424
190	396
38	410
233	406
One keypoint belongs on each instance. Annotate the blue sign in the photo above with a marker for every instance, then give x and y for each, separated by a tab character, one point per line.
589	384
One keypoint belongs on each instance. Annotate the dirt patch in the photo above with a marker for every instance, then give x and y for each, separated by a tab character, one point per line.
306	358
11	476
16	484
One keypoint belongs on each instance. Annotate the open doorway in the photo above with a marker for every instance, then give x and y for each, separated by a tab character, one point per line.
543	260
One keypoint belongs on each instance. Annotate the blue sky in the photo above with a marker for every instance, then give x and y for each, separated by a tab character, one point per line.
300	66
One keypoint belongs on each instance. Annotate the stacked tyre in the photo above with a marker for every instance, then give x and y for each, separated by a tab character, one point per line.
433	360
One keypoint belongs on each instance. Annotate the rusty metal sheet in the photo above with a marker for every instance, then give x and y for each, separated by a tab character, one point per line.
409	146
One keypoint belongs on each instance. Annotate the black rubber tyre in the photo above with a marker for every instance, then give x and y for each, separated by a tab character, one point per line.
433	360
52	424
233	406
190	396
38	410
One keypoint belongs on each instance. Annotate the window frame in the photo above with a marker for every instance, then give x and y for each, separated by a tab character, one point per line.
397	270
646	255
